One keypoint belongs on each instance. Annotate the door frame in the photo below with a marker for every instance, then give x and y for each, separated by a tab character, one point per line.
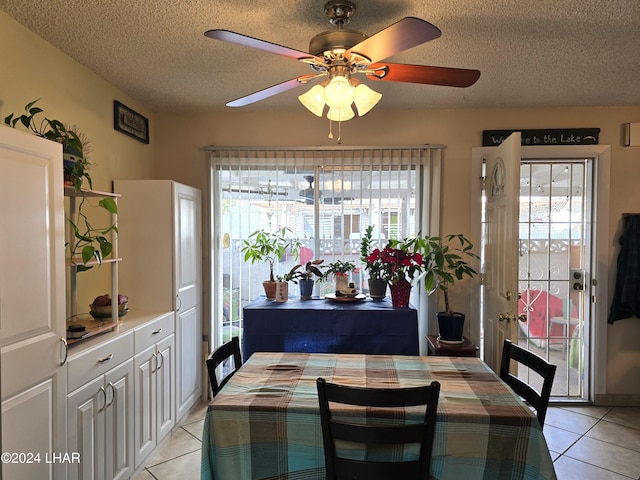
600	260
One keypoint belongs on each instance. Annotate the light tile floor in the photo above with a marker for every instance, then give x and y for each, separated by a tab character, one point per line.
586	443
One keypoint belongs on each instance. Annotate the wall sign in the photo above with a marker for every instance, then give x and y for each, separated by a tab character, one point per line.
130	123
549	136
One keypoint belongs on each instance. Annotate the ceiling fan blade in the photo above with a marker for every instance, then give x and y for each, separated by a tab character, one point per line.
400	36
445	76
244	40
271	91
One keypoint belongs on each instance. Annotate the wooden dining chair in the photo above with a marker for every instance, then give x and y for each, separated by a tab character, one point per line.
218	356
379	433
539	400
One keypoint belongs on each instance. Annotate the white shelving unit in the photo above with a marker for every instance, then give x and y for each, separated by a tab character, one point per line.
71	263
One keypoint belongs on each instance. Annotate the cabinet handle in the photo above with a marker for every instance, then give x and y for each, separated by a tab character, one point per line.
113	395
178	303
66	350
104	394
161	364
155	332
105	359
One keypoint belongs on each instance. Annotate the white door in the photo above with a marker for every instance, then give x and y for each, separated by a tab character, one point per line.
32	303
500	281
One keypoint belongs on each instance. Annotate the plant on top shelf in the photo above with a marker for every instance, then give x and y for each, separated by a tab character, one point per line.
89	243
265	246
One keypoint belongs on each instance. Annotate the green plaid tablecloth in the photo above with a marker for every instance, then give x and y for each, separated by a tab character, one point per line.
265	423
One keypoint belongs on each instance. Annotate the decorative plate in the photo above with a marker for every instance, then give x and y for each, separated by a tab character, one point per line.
332	296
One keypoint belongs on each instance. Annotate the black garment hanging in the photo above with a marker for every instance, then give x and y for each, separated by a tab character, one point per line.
626	297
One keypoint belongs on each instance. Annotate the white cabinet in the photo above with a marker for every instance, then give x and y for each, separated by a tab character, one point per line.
32	303
154	365
101	410
161	243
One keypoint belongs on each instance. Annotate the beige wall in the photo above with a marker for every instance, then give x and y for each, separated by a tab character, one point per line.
31	68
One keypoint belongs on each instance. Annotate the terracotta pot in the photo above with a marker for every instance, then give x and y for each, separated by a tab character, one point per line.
269	289
400	293
377	288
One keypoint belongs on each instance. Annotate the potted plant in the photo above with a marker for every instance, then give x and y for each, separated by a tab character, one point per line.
373	265
88	242
305	277
401	262
266	246
340	270
446	260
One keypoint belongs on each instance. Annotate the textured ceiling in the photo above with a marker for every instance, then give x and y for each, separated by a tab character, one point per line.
530	52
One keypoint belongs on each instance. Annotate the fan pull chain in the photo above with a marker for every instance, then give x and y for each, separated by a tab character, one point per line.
339	131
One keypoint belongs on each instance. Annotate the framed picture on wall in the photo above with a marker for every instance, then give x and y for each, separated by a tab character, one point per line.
130	122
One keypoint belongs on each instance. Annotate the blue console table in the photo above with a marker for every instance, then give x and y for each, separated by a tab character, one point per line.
324	326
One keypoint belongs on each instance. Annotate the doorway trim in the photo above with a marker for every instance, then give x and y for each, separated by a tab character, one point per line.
600	266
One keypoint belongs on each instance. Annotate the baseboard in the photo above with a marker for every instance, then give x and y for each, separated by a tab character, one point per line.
618	400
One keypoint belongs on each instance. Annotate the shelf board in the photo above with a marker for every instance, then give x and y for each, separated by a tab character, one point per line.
72	192
70	263
94	327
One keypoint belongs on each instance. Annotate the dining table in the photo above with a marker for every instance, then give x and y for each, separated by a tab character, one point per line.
265	423
330	325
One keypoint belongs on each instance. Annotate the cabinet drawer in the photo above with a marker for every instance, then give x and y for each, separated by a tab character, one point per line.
154	331
99	360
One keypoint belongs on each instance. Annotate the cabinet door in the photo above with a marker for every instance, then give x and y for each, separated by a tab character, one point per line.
188	279
119	422
85	408
145	404
32	302
165	384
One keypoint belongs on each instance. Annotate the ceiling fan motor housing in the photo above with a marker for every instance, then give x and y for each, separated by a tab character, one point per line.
331	40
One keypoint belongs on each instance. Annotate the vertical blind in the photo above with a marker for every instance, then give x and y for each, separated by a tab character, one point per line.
326	196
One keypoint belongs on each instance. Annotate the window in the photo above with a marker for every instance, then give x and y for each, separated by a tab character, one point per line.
327	197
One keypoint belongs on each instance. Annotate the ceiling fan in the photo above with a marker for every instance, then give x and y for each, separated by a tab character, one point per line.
308	195
340	54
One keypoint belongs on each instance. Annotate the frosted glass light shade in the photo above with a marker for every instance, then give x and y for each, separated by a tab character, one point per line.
365	98
314	100
339	93
340	114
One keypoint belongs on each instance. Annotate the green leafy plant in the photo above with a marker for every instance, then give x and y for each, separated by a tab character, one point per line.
370	258
310	269
445	261
88	242
339	266
266	246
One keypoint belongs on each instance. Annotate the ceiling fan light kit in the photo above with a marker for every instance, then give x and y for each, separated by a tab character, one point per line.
342	53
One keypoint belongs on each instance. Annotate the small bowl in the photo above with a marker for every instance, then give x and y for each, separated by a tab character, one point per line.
104	311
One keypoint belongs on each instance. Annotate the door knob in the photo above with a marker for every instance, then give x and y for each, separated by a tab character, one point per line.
522	317
506	317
